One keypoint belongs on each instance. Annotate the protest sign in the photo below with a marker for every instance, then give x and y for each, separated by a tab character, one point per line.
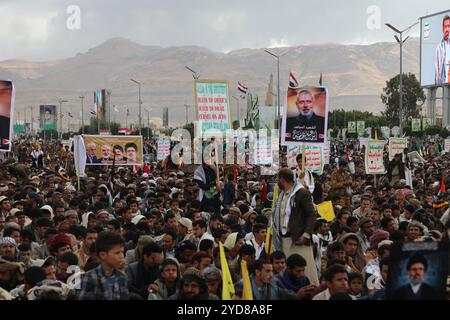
212	105
305	118
351	125
360	127
396	146
163	149
7	93
374	157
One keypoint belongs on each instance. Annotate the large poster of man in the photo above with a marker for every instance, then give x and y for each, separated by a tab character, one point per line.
117	150
435	48
305	117
6	114
418	271
47	117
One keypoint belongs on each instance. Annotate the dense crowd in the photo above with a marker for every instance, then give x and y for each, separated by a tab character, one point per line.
153	232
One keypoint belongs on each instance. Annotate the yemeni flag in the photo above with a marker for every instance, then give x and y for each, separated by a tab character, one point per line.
320	79
293	82
242	88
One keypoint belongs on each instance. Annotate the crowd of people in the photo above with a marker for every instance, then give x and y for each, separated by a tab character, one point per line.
127	233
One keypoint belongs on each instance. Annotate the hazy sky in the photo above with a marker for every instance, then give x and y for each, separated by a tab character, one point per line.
37	29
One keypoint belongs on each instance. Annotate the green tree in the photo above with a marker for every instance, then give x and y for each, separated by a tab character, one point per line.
413	98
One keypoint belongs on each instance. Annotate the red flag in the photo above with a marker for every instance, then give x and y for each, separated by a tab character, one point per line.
146	169
442	185
5	141
264	193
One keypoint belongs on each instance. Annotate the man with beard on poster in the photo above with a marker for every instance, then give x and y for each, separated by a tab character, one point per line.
307	126
5	113
417	288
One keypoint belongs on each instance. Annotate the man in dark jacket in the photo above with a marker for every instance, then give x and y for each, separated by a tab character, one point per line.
145	271
293	221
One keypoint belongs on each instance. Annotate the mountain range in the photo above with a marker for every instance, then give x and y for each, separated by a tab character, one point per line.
354	74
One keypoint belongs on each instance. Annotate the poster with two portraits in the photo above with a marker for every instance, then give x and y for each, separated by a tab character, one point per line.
305	116
6	114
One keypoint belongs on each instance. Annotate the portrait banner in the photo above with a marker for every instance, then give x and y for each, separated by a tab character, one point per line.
7	93
305	116
426	122
396	145
351	126
120	150
360	127
415	125
447	145
418	271
374	157
48	117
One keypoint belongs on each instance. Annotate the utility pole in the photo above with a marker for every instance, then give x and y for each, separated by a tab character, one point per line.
61	101
82	114
400	41
187	107
140	106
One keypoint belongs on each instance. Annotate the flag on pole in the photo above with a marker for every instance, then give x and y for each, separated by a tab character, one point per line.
94	109
320	79
275	196
247	293
268	242
442	190
242	88
227	282
293	82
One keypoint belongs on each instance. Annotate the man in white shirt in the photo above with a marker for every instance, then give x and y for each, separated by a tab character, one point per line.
336	278
258	239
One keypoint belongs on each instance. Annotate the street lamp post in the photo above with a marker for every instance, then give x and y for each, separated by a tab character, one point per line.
400	41
82	114
61	101
278	83
140	106
187	107
195	75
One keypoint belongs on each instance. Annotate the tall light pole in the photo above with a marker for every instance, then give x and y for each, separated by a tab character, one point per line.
238	109
82	114
61	101
195	75
140	106
148	122
278	83
187	107
400	41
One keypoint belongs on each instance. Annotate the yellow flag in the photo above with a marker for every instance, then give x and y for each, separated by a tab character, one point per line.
227	282
275	196
376	134
247	293
420	152
268	243
325	210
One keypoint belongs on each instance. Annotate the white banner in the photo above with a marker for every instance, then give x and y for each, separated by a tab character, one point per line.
374	157
163	149
396	145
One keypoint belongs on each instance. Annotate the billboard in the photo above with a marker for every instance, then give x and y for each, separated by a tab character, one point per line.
212	105
434	49
47	117
305	117
101	149
101	104
6	114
